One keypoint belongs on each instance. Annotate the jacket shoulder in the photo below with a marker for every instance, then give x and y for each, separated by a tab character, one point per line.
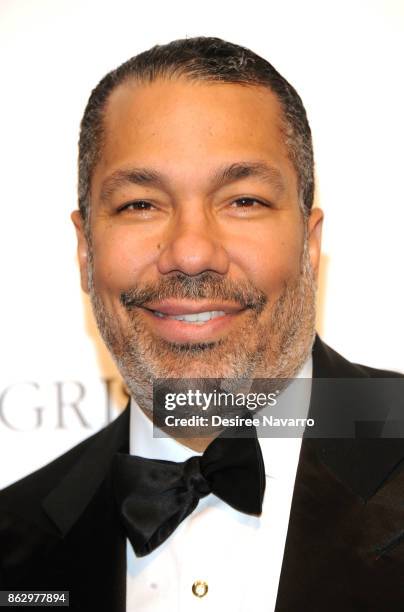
35	486
377	373
327	363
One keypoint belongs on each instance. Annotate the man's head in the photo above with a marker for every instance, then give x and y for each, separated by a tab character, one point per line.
199	59
195	196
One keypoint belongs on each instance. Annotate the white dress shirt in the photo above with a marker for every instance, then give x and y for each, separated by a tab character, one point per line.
238	556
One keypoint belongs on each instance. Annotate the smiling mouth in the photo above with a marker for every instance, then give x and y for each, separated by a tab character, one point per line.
187	321
196	318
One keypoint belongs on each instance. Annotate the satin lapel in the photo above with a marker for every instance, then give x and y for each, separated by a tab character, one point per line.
93	555
346	520
361	464
59	528
68	500
82	507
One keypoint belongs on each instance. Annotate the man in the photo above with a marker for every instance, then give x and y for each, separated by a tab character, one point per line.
199	248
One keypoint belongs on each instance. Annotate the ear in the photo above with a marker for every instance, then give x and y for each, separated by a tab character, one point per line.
82	248
314	226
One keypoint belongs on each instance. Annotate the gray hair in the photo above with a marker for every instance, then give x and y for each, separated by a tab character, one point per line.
201	58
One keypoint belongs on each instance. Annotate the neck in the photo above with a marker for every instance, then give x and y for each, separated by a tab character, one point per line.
197	444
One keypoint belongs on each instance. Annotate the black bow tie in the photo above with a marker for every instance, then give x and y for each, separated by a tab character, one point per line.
154	496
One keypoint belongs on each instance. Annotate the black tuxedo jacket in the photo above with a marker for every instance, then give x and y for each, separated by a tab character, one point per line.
345	543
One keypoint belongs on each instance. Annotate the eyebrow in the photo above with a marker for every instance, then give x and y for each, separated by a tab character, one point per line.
130	176
260	170
221	177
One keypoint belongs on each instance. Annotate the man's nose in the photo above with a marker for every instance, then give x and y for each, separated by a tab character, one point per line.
191	246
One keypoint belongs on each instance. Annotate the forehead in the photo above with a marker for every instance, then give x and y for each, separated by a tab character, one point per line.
181	122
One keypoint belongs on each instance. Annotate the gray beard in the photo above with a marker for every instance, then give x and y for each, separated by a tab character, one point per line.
275	350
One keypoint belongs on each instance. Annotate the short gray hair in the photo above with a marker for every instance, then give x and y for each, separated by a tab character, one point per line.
201	58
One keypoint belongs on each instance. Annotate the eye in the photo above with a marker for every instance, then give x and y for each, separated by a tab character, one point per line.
248	203
136	205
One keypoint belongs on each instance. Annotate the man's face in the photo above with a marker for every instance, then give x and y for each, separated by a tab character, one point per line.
194	209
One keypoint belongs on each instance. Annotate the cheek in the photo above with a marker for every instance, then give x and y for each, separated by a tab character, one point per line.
269	259
120	259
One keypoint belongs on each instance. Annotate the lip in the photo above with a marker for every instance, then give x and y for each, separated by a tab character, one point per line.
180	307
175	331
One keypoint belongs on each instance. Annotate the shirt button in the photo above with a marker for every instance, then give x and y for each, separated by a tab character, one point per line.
200	588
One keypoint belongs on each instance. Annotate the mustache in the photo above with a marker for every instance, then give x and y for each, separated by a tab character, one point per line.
206	285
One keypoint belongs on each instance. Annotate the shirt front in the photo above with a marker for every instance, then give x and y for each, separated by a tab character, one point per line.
236	558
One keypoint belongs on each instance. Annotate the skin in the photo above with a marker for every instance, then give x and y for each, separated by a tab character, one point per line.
248	231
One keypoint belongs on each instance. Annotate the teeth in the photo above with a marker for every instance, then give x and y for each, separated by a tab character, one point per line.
198	317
